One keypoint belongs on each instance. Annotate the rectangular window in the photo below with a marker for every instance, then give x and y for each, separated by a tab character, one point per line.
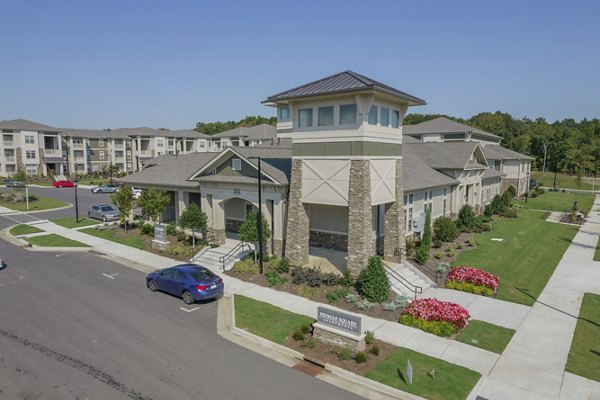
405	199
444	210
385	116
101	154
29	139
348	114
305	117
118	142
236	164
77	141
202	144
30	154
373	115
431	195
100	142
395	119
445	191
410	219
410	199
283	113
325	116
170	143
31	169
160	144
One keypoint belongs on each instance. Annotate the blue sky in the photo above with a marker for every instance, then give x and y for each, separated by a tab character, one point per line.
126	63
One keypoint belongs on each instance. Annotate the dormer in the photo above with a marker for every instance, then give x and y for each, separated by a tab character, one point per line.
343	102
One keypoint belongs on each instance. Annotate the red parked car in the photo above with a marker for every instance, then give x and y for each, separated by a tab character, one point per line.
60	184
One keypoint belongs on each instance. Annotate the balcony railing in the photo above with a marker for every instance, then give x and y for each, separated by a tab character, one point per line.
53	152
9	159
8	143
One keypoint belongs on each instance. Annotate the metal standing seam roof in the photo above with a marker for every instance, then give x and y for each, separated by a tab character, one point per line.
444	125
26	125
342	82
262	131
495	152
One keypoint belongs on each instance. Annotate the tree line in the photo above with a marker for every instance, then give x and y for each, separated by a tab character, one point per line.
565	146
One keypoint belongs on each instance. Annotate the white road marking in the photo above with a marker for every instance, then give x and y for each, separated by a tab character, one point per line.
186	310
111	276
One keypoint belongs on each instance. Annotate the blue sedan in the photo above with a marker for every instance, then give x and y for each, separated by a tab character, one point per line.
191	282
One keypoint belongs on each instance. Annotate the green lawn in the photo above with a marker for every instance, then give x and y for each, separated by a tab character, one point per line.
24	229
597	252
53	240
584	356
450	382
563	181
265	320
71	222
486	336
559	201
42	203
132	240
525	259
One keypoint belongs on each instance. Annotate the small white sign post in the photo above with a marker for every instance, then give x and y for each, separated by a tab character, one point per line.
409	371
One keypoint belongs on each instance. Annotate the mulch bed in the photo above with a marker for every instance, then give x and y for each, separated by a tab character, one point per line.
328	353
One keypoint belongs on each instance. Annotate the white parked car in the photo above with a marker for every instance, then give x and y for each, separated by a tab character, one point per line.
137	192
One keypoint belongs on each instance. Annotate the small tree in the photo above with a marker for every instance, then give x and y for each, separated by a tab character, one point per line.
123	199
466	218
193	218
153	202
373	283
249	229
425	247
507	199
498	206
445	229
511	189
20	174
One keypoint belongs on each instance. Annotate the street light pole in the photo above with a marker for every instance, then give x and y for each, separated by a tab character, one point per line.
76	206
110	167
259	222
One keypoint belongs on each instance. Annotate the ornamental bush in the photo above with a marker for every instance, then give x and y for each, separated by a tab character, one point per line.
466	218
439	328
373	283
475	276
436	310
469	288
444	229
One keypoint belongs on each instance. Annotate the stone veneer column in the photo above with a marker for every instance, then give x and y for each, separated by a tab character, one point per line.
297	234
360	216
394	242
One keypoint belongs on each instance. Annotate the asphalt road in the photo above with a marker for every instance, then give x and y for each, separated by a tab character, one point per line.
78	326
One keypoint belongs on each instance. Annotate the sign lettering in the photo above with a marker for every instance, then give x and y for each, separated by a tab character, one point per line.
343	321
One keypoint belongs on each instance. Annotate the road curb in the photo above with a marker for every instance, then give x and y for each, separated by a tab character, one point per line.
334	375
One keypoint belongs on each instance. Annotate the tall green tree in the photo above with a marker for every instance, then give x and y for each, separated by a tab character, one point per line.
249	230
193	218
123	200
153	203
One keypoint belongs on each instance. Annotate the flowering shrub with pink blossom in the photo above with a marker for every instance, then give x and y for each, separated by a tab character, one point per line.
475	276
433	310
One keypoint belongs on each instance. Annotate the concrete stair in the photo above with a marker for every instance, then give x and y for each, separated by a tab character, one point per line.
404	273
209	257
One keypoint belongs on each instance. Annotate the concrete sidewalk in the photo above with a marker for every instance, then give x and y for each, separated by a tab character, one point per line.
531	367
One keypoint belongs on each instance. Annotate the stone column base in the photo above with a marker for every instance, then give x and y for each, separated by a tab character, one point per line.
337	337
216	236
278	247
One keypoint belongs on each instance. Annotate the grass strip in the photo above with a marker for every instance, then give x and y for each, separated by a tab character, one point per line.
136	241
40	203
71	222
449	382
266	320
24	229
584	356
54	240
486	336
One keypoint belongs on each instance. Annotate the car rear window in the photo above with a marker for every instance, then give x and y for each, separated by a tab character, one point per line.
202	274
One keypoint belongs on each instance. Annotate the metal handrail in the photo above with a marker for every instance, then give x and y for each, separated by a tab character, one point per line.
413	288
232	253
430	271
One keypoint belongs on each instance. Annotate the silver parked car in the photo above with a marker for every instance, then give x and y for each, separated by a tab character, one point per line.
105	212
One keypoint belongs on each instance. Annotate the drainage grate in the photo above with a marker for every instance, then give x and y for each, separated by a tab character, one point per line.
308	368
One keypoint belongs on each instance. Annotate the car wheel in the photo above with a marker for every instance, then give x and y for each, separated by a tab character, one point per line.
104	218
59	186
187	297
152	286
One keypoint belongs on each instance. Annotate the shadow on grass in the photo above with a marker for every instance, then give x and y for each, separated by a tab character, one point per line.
524	291
401	375
595	352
